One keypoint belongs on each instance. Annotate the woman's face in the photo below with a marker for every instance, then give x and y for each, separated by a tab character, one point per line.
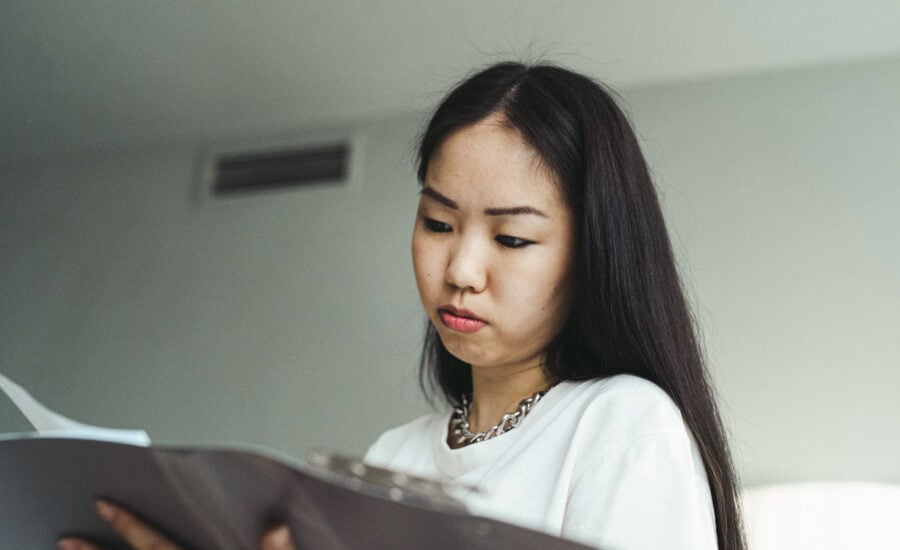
493	248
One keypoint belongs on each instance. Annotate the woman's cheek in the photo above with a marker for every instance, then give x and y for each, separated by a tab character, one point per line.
426	265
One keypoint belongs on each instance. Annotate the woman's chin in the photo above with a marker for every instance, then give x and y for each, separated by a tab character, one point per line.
465	351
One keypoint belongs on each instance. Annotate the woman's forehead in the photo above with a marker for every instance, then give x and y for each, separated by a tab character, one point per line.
487	165
492	136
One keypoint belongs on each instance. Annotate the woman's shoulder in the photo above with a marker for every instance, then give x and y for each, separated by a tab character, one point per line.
624	408
413	434
621	390
423	425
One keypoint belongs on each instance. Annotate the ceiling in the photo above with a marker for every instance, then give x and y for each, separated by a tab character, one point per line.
82	76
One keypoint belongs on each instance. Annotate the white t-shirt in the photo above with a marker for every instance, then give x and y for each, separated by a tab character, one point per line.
609	463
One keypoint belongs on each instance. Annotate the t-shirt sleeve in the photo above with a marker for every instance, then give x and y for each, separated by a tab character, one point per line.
406	448
384	449
648	494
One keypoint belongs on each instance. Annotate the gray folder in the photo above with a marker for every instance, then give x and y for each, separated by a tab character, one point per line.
206	498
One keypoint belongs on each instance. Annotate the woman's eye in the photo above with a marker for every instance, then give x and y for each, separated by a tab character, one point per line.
436	227
512	242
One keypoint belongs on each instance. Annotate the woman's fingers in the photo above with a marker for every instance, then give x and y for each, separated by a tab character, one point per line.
141	536
135	532
72	543
278	538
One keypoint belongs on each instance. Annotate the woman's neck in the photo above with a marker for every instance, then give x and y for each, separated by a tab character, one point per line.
496	391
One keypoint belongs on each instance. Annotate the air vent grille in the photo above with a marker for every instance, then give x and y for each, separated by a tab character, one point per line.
294	167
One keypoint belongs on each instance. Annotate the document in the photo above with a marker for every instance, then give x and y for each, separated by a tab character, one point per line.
223	497
50	424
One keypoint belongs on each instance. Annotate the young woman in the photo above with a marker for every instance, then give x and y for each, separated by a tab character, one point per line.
558	329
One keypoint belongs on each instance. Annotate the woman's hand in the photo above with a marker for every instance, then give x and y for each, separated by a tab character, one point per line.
143	537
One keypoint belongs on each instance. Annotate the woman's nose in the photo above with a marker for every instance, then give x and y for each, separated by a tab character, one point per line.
467	269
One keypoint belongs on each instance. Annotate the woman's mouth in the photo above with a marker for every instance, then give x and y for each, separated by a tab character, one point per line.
460	320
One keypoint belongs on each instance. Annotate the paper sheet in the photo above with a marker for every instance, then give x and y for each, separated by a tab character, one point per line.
50	424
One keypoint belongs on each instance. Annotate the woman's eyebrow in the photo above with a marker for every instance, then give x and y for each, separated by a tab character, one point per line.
506	211
429	192
513	211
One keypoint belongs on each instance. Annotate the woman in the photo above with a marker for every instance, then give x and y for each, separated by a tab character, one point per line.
557	327
543	263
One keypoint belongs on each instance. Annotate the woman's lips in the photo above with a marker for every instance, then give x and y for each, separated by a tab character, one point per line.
460	320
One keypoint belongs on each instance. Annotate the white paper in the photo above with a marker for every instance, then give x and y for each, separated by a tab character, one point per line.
50	424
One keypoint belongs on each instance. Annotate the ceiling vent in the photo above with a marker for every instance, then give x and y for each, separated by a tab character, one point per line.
323	163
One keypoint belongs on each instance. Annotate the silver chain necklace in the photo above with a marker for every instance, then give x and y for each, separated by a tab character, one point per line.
459	422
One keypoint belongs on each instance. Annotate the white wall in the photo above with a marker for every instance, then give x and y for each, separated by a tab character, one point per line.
783	192
288	319
291	319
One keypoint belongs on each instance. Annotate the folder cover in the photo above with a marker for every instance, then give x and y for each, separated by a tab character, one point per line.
225	497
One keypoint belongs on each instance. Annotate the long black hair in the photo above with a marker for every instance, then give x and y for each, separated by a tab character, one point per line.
629	314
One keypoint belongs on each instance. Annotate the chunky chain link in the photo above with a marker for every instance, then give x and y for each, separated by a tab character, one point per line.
459	422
